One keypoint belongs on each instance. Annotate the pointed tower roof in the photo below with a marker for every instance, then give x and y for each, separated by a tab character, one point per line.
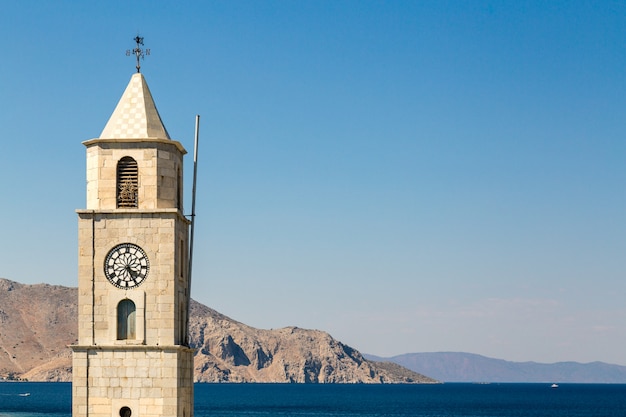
136	116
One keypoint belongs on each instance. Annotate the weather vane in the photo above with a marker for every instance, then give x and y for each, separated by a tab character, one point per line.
139	53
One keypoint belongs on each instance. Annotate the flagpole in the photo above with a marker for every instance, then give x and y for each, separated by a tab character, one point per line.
193	217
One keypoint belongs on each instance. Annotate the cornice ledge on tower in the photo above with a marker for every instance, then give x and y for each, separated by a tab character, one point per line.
135	211
142	347
101	140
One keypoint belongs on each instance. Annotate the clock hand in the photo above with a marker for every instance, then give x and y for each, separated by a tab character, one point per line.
129	271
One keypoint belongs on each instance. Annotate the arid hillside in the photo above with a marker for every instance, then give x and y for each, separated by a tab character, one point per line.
38	322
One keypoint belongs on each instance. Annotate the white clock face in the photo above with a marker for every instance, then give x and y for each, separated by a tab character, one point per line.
126	266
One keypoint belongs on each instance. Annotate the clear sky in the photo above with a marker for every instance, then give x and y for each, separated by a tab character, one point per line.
408	176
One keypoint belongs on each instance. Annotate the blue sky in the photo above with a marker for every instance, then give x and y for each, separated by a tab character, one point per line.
408	176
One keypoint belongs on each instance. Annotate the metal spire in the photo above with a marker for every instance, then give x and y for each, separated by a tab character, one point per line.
139	53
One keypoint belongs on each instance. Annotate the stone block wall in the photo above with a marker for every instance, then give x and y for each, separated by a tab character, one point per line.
159	172
162	236
151	381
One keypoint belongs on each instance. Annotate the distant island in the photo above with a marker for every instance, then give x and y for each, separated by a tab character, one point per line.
468	367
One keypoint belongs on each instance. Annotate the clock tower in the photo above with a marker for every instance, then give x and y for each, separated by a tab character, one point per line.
132	356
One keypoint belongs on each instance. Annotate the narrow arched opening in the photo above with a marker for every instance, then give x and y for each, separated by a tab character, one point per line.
126	319
127	183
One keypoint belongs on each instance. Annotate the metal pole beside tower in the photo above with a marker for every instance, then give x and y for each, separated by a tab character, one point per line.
193	218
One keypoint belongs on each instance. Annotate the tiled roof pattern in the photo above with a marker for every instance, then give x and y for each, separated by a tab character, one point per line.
136	116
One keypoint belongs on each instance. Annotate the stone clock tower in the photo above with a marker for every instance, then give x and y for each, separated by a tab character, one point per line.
132	356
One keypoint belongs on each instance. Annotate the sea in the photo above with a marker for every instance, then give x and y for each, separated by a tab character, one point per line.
32	399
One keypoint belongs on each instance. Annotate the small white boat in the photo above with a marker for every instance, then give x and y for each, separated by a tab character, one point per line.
555	385
26	394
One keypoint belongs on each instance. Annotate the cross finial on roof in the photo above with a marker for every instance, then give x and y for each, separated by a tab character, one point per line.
139	53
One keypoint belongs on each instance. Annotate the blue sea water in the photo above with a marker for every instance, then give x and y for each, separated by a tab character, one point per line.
338	400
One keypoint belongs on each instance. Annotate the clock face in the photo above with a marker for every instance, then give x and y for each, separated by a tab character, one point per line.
126	266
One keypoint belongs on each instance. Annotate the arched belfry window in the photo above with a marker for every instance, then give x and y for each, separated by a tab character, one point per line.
127	183
126	318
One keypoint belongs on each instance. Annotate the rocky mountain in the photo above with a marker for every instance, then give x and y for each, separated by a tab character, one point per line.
38	322
468	367
234	352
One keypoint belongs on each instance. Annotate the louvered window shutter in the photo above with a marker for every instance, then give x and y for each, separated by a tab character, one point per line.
127	183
